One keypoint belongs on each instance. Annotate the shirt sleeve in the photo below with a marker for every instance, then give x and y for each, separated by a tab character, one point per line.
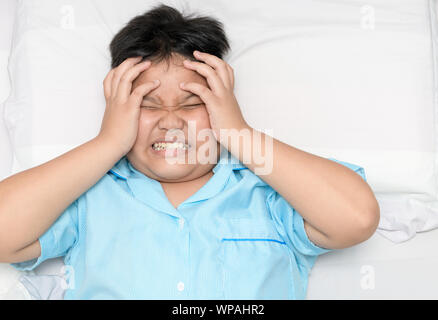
291	223
57	240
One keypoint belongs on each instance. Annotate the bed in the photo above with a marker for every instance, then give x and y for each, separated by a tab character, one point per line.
372	63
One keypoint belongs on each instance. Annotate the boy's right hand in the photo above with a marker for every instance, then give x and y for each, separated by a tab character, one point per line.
122	112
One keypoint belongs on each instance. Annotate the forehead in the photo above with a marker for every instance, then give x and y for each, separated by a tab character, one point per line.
157	98
170	74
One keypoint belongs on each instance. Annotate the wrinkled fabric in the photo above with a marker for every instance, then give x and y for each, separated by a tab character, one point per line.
235	238
44	287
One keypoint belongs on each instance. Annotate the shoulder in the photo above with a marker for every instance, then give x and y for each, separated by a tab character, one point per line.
100	189
249	182
246	174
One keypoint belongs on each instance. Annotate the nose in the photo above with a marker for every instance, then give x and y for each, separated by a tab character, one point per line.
169	120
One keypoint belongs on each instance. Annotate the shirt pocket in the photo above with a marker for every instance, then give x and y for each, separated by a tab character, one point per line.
256	262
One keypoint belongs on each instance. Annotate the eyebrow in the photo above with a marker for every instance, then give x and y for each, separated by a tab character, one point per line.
152	99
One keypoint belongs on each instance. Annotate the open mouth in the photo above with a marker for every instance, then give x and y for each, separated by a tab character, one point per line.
158	146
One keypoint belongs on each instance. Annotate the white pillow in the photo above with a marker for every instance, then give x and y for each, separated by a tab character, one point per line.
345	80
7	10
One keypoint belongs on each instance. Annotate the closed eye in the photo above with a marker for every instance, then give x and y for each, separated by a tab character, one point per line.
192	106
150	107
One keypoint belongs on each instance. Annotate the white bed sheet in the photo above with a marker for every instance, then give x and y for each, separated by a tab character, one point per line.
375	269
6	23
8	276
379	269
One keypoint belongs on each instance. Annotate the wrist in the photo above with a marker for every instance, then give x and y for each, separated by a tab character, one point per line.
110	146
234	138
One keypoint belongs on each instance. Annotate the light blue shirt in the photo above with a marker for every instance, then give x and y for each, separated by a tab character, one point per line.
235	238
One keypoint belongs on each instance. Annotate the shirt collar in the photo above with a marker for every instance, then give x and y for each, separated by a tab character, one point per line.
150	191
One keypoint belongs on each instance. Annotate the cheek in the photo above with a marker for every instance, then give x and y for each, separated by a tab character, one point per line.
203	128
145	125
148	119
201	118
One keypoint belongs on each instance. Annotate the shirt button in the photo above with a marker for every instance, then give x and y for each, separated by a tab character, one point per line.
180	286
181	223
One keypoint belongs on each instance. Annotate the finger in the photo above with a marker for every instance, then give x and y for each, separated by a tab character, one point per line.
202	91
138	93
219	65
120	70
107	84
215	83
231	73
125	84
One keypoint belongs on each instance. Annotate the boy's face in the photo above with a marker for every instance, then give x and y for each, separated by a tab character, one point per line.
162	111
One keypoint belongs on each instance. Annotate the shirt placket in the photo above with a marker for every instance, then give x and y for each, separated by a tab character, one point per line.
184	282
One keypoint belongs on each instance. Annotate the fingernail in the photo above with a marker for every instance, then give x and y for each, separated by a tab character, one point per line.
156	82
182	84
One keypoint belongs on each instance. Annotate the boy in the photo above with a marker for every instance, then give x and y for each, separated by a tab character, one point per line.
141	211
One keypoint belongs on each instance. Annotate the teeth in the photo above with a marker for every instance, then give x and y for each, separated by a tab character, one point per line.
172	145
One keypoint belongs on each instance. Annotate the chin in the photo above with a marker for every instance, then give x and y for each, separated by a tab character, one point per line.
172	172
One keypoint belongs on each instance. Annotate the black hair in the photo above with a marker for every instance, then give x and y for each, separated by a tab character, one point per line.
163	31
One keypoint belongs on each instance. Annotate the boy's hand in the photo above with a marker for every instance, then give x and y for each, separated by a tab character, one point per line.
122	113
222	107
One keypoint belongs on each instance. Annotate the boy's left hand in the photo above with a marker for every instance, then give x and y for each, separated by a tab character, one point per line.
222	107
